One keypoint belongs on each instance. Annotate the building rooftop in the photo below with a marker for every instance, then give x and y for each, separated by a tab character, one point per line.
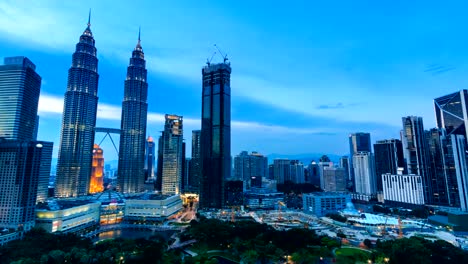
149	196
54	205
327	194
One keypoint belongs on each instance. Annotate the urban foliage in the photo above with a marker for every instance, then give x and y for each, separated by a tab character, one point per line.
245	241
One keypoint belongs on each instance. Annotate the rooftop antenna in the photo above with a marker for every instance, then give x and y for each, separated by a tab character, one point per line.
222	55
208	61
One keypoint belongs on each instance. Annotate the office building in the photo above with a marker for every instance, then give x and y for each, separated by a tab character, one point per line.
78	121
282	170
68	216
451	112
271	171
251	165
321	166
195	163
344	163
215	137
416	152
314	173
131	170
23	167
402	190
19	98
388	156
358	142
322	203
334	179
150	160
296	174
441	168
97	173
172	158
364	174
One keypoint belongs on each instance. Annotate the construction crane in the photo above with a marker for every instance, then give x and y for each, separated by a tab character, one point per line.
221	53
208	60
400	228
384	230
280	203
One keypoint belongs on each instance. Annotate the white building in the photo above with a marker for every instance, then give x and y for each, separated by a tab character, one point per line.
365	181
67	216
402	189
152	207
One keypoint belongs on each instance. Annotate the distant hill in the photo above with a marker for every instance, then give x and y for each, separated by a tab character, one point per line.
304	158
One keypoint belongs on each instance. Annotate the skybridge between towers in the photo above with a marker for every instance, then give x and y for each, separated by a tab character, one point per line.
108	132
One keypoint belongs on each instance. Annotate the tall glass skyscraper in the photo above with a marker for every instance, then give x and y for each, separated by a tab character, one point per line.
19	98
451	112
195	163
131	174
388	157
358	142
150	160
22	166
172	155
215	134
79	120
416	152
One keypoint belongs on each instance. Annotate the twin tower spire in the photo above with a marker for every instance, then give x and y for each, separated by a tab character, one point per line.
74	163
88	32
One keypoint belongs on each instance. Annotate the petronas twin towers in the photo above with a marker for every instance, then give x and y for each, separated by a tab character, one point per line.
79	122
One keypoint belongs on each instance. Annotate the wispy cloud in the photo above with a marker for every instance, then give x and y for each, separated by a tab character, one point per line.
50	105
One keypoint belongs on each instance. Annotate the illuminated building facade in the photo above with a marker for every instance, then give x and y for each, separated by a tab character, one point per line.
172	158
131	169
65	216
78	121
96	184
150	160
22	165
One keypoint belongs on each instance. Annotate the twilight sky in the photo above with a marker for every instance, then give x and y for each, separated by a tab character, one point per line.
305	73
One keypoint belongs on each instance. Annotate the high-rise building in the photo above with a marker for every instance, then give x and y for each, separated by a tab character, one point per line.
282	170
358	142
271	171
451	112
388	156
251	165
322	165
364	174
79	120
437	143
296	172
172	158
131	170
96	184
314	173
22	166
195	163
459	152
20	87
344	163
215	134
150	160
159	167
334	179
416	152
402	190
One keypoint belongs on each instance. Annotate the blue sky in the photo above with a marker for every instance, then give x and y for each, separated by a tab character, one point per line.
305	73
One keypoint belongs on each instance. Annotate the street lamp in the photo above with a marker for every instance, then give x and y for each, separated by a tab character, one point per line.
386	260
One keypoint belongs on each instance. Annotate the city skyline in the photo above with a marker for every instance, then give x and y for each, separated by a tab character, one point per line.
175	65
